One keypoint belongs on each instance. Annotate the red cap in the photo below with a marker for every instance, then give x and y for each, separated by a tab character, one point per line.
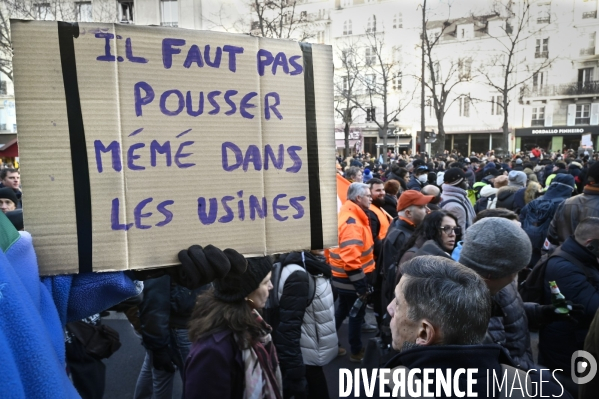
412	197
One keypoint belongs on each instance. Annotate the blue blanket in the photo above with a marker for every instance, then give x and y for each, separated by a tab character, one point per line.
33	314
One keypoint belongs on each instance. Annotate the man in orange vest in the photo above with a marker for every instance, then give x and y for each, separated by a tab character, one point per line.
380	221
352	263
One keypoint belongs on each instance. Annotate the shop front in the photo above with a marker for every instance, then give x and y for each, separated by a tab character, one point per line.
479	142
555	138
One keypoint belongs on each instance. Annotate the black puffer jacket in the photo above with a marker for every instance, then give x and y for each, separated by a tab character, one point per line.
390	205
509	325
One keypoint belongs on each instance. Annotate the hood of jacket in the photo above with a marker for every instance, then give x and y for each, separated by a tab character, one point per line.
505	192
561	186
574	165
312	264
453	191
488	190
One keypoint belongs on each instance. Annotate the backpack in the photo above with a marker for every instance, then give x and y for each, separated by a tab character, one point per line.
538	217
483	203
271	312
533	288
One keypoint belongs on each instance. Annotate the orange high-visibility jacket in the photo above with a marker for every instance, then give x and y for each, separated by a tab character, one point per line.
354	257
384	220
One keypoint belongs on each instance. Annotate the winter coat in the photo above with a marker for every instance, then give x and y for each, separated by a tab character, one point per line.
530	175
485	358
558	340
470	177
570	212
421	248
399	233
215	368
306	334
488	198
415	184
552	175
390	205
34	314
462	209
506	197
508	325
402	182
575	169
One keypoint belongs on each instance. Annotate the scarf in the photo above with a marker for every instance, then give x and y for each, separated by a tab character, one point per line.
262	373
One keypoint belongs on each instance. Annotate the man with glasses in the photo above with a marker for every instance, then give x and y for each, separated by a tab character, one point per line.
352	263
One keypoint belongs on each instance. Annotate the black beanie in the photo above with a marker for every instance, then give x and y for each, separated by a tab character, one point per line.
9	193
242	281
594	172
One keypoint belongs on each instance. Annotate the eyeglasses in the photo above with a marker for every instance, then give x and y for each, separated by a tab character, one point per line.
448	229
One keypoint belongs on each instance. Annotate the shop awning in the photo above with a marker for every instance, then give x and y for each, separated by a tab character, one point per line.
10	148
404	142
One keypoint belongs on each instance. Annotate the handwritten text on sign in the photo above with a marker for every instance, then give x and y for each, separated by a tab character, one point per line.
173	102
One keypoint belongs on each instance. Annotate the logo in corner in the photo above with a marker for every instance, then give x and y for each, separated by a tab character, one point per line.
584	367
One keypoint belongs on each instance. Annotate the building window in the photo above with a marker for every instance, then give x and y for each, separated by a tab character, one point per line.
465	68
437	69
371	26
320	36
589	44
583	114
370	55
347	27
169	13
464	103
585	77
544	13
497	105
538	81
346	3
126	12
371	114
397	81
370	82
398	21
345	84
538	116
590	9
542	48
3	87
44	12
84	11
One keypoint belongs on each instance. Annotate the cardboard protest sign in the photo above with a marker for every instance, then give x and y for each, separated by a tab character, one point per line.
137	142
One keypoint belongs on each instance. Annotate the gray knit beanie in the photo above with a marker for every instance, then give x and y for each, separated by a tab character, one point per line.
495	248
517	179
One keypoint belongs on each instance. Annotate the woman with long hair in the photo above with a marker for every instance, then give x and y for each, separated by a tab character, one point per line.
232	353
436	235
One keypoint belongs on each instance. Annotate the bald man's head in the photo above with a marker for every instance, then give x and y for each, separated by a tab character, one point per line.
431	190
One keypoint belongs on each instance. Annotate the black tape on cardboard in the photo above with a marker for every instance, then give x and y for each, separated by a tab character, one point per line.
316	233
67	32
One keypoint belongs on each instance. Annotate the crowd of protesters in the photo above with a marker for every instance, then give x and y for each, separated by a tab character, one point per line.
452	253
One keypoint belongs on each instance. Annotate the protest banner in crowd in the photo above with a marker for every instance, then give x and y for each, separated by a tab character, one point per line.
138	141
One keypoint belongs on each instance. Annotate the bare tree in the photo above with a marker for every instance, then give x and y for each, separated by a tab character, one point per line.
346	87
54	10
510	59
442	83
279	19
380	73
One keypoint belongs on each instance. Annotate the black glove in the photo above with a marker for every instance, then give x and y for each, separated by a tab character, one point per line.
161	360
549	315
201	266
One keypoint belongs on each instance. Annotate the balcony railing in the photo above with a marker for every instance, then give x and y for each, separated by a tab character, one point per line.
570	89
537	122
543	20
582	121
587	51
589	14
542	54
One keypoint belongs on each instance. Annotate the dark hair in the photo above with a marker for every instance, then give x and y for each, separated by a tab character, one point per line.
497	213
428	230
402	172
374	181
6	171
449	295
211	314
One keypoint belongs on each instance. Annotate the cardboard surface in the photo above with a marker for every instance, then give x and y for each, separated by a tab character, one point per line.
254	170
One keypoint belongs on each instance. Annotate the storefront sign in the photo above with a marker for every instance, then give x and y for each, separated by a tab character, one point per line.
556	131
